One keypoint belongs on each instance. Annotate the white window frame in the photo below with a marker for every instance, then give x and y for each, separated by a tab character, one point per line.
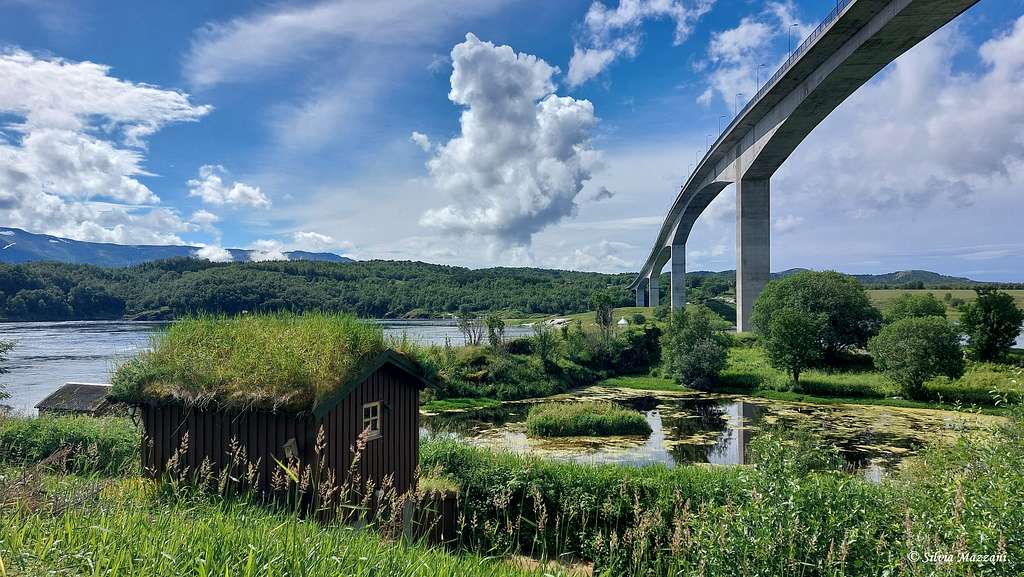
369	419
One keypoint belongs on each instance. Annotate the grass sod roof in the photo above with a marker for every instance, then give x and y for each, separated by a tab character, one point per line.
286	362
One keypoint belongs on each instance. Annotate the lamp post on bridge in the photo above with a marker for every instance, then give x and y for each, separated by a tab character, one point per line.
757	77
790	35
720	117
738	95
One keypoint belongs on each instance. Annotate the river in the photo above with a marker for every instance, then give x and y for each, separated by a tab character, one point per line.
48	354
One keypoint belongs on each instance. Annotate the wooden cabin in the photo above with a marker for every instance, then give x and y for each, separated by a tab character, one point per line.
382	399
79	399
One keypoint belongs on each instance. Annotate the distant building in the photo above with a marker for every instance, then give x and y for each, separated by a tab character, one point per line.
78	399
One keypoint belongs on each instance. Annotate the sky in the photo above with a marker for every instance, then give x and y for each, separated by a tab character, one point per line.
499	133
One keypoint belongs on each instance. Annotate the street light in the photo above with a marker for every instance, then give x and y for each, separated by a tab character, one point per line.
707	141
790	34
720	123
738	95
757	76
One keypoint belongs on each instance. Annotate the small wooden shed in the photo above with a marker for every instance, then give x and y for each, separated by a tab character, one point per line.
382	400
78	399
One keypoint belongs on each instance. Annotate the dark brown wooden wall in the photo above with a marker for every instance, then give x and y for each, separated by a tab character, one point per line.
263	434
397	449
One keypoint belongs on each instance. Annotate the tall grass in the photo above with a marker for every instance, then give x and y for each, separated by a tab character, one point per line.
268	361
108	446
131	530
584	419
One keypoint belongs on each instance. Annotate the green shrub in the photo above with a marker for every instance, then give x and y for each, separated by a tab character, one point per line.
584	419
693	350
912	350
744	340
520	346
981	384
992	323
911	305
851	318
109	446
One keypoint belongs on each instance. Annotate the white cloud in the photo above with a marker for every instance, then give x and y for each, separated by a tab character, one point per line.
421	140
608	34
364	48
213	253
523	154
263	250
788	223
73	152
205	220
210	187
317	242
741	59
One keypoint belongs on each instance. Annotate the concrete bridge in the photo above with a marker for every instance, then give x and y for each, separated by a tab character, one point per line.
855	41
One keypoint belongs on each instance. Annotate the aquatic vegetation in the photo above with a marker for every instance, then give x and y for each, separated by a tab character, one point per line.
584	419
794	513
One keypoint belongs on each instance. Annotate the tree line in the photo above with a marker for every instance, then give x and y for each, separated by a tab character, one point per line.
369	289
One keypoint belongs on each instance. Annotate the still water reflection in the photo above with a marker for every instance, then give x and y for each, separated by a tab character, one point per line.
701	428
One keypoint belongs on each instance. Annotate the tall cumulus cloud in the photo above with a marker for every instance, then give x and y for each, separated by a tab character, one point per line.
523	155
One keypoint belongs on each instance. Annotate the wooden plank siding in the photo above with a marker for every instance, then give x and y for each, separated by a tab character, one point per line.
263	434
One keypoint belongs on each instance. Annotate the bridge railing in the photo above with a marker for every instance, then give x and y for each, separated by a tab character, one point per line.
793	57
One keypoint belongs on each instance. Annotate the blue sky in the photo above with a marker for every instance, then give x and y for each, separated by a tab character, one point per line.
559	141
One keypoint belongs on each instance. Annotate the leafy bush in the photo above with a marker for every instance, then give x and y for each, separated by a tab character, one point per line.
744	340
5	347
638	319
851	320
520	346
584	419
992	323
911	305
693	351
793	340
912	350
109	446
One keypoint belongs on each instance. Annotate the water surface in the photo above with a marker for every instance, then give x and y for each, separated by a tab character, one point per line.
716	429
48	354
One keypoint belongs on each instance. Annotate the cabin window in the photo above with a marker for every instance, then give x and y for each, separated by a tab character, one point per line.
371	419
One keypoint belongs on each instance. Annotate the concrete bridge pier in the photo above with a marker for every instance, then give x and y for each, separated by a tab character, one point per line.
678	278
641	293
652	284
753	232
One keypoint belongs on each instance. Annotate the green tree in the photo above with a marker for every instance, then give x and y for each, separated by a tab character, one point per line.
545	341
793	340
910	305
495	330
991	323
602	304
912	350
694	352
639	319
851	320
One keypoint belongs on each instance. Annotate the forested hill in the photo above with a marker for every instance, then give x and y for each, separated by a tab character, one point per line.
163	289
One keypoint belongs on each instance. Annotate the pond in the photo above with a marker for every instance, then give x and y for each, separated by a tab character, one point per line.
716	429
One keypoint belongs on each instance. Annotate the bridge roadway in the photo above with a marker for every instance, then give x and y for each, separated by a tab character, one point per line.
855	41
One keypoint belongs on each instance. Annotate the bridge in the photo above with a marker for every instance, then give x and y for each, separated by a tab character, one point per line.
856	40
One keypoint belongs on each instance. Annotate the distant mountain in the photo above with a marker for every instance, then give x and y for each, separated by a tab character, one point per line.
18	246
